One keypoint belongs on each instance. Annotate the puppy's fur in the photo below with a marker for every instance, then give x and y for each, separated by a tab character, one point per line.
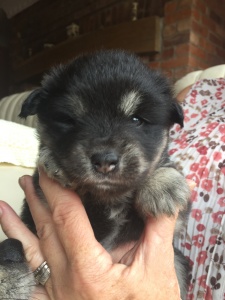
16	280
103	123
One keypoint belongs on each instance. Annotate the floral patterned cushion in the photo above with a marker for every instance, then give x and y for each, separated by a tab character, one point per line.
198	150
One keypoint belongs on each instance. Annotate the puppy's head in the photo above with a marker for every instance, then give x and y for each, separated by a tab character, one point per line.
103	120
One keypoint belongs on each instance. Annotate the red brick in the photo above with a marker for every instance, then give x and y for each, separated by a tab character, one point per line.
208	46
220	52
167	53
200	5
183	13
168	74
202	42
170	7
178	39
183	25
197	15
182	50
220	31
218	8
196	63
194	38
193	61
216	18
214	39
198	28
214	60
204	65
198	52
170	30
209	23
155	65
174	63
187	3
179	73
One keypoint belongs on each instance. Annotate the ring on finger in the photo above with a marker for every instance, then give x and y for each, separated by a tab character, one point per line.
42	273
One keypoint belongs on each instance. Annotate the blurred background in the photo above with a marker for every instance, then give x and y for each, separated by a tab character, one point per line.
175	36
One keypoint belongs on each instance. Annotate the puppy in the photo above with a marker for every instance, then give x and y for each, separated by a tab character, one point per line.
103	123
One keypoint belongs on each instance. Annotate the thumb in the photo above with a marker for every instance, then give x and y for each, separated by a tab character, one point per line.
155	248
156	240
160	230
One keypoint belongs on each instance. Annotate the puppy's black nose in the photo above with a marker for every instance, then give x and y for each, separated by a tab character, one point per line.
11	251
105	162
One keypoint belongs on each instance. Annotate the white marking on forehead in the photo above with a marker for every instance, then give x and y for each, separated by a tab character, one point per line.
130	102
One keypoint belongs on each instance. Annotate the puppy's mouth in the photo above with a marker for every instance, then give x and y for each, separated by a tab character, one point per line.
100	182
107	186
114	183
105	189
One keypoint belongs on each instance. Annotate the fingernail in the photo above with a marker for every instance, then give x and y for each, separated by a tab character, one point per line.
22	182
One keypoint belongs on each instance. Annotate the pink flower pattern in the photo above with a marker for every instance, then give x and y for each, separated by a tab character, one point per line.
198	150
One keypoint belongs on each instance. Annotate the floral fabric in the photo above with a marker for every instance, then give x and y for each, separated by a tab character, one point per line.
198	150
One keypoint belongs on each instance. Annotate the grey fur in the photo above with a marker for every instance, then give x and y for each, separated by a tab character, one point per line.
16	279
16	282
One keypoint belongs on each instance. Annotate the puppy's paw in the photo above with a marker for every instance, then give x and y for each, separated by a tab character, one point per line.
50	167
164	193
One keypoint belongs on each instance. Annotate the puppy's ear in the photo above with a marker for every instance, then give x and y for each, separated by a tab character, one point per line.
177	115
30	105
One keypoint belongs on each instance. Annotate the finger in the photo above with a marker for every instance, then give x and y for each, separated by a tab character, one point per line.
40	212
161	227
157	240
71	221
158	233
40	293
50	245
43	221
13	227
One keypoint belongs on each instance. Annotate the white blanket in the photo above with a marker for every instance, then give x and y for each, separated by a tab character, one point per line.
18	144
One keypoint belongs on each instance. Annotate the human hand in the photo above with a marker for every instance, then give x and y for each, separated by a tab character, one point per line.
80	266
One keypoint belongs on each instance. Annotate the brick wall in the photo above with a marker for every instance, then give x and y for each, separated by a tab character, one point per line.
30	35
193	31
193	37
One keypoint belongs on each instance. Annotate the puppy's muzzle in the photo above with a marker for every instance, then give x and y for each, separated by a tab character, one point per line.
105	162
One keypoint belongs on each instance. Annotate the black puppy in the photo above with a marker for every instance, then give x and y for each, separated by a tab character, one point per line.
103	123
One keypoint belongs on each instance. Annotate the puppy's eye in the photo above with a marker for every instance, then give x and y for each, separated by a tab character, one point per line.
137	121
63	120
